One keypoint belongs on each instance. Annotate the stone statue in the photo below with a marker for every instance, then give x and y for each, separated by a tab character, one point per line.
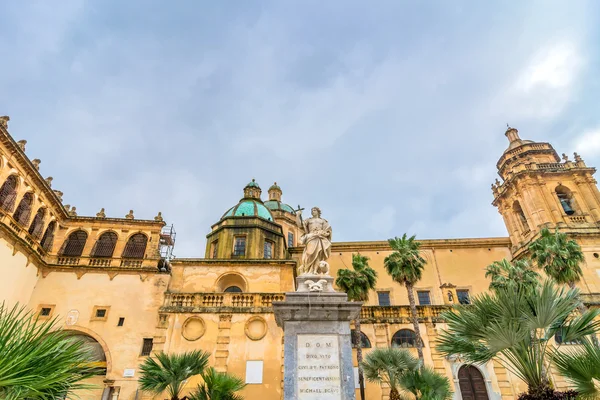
59	194
49	181
36	163
317	243
22	144
101	214
73	212
159	217
4	121
450	296
130	215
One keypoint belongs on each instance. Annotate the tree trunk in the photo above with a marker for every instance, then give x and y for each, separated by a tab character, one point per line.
394	395
359	358
415	318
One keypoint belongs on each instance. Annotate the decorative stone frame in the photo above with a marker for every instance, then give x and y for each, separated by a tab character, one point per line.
456	364
252	335
192	338
96	308
45	317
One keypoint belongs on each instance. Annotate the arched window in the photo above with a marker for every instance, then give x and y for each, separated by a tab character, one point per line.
233	289
23	211
37	225
521	217
136	246
48	238
565	197
558	338
231	282
74	245
105	245
404	338
365	343
8	193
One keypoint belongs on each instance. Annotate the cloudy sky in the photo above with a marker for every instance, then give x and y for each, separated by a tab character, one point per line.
389	115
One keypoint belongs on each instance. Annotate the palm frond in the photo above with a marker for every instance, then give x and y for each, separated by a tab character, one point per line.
218	386
386	365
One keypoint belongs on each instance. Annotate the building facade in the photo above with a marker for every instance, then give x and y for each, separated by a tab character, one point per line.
112	281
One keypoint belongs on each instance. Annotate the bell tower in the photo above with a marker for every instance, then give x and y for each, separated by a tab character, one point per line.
538	190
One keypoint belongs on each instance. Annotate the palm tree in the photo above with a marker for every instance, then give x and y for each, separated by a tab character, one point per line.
506	274
426	384
514	326
357	283
37	359
582	367
218	386
406	265
169	371
387	366
558	256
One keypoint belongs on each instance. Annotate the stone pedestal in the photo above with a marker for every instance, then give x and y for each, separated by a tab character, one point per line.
317	345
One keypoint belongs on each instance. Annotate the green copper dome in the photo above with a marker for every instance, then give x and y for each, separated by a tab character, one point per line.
253	184
277	205
249	208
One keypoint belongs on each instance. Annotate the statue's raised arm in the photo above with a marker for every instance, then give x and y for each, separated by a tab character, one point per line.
317	243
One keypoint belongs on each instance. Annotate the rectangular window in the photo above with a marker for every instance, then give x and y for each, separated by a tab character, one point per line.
101	313
239	248
268	249
45	311
213	251
147	347
121	321
290	239
423	296
384	298
463	296
254	372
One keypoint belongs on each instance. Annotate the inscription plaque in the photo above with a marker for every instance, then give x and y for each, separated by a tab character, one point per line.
318	374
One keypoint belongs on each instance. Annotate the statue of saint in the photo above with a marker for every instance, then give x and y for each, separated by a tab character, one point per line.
317	243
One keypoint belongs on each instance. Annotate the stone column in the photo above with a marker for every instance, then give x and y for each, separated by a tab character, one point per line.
317	346
588	197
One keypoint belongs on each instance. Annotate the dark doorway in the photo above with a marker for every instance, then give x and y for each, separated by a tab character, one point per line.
472	384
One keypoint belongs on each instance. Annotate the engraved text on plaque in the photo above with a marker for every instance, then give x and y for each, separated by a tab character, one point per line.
318	374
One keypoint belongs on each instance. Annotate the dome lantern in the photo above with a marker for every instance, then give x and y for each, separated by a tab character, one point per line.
275	192
252	190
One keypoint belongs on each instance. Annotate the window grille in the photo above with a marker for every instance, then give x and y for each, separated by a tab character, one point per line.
239	249
558	337
463	296
74	245
147	347
136	246
48	238
404	338
23	211
233	289
384	298
105	245
268	249
424	298
101	313
290	239
37	225
8	193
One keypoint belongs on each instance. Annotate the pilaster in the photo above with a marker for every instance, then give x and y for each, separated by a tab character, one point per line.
223	339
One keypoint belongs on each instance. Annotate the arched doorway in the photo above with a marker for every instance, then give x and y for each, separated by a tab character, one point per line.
472	383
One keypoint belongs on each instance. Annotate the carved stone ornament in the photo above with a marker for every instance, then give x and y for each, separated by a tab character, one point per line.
72	317
21	144
159	217
36	163
49	181
59	194
73	212
256	328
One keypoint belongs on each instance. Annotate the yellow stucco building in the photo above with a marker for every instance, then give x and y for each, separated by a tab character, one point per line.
112	280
